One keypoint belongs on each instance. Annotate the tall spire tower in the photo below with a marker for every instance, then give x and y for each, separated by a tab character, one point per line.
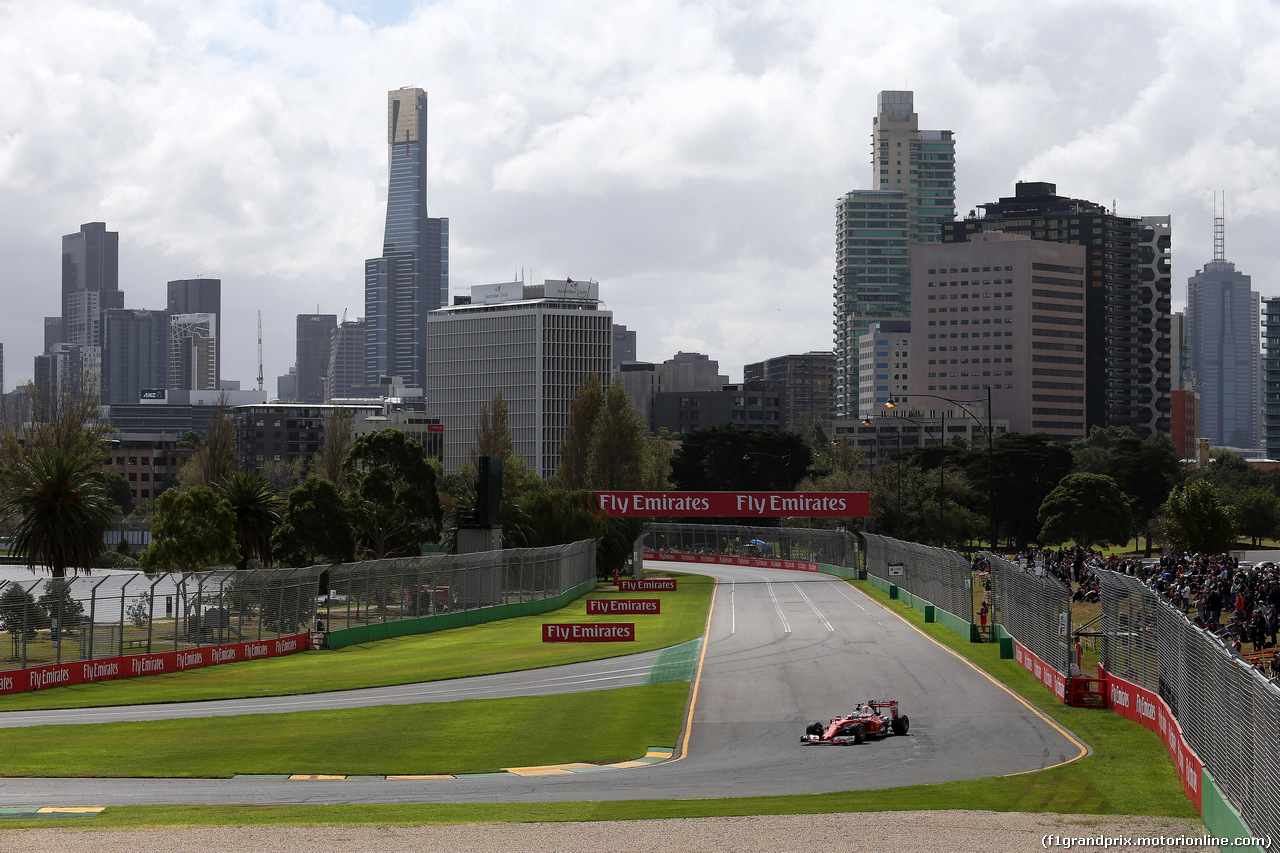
411	278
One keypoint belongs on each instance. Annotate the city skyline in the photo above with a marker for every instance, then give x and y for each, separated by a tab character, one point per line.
689	157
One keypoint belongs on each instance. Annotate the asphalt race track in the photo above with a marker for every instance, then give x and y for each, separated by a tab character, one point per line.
784	648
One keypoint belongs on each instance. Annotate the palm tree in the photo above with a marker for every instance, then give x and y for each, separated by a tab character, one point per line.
257	510
61	509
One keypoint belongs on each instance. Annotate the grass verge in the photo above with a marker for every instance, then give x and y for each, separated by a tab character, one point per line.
1129	773
377	741
505	646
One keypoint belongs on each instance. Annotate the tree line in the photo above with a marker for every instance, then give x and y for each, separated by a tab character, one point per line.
376	495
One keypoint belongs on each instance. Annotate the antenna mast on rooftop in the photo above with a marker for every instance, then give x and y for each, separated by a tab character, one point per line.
1219	227
259	350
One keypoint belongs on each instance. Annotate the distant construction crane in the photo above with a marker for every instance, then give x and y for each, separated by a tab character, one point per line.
259	350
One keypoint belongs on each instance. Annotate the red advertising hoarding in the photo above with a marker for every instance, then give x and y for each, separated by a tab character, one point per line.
588	632
622	606
737	504
1047	675
734	560
1145	707
127	666
647	585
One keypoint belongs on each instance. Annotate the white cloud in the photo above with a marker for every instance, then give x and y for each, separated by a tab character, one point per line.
687	154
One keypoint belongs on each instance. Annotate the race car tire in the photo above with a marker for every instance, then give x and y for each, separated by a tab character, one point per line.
859	733
901	725
815	729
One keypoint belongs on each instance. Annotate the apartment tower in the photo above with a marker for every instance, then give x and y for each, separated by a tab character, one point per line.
913	176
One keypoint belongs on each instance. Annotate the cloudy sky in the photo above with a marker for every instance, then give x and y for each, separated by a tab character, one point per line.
689	156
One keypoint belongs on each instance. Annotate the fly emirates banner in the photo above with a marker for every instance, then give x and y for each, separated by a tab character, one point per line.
737	504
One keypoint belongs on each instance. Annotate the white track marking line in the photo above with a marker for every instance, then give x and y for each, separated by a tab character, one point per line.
830	628
786	627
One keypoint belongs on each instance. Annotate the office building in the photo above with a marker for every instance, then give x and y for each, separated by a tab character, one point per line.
135	354
1271	377
314	346
535	345
1184	414
1127	299
69	371
346	360
806	383
884	352
150	461
913	175
90	282
1005	312
750	405
287	385
285	432
687	371
200	296
193	352
1224	315
624	345
411	277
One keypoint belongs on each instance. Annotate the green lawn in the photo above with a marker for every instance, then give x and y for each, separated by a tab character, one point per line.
475	736
1129	772
504	646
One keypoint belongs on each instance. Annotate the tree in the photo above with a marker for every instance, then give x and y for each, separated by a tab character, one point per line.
1025	469
283	475
1145	470
1257	514
339	433
57	602
61	509
575	450
216	458
1198	520
192	530
119	492
493	432
729	458
393	491
1085	509
70	422
316	527
20	615
257	512
618	457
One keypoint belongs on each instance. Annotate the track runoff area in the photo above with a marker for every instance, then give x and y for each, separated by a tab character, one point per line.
783	649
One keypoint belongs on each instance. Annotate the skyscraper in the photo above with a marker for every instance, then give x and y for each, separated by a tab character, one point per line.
193	352
1224	316
314	346
913	172
90	282
1127	299
135	354
200	296
411	278
346	360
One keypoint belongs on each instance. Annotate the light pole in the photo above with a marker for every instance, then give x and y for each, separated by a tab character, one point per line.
786	460
991	465
897	465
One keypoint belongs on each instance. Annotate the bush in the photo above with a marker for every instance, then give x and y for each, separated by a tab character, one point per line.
115	560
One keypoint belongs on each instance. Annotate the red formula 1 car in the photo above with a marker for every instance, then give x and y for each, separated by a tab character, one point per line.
877	718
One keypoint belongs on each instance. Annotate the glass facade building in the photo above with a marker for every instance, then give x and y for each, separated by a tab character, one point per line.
914	176
411	278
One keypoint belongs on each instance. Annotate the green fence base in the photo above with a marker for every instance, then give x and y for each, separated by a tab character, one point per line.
1006	648
443	621
929	613
1220	818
